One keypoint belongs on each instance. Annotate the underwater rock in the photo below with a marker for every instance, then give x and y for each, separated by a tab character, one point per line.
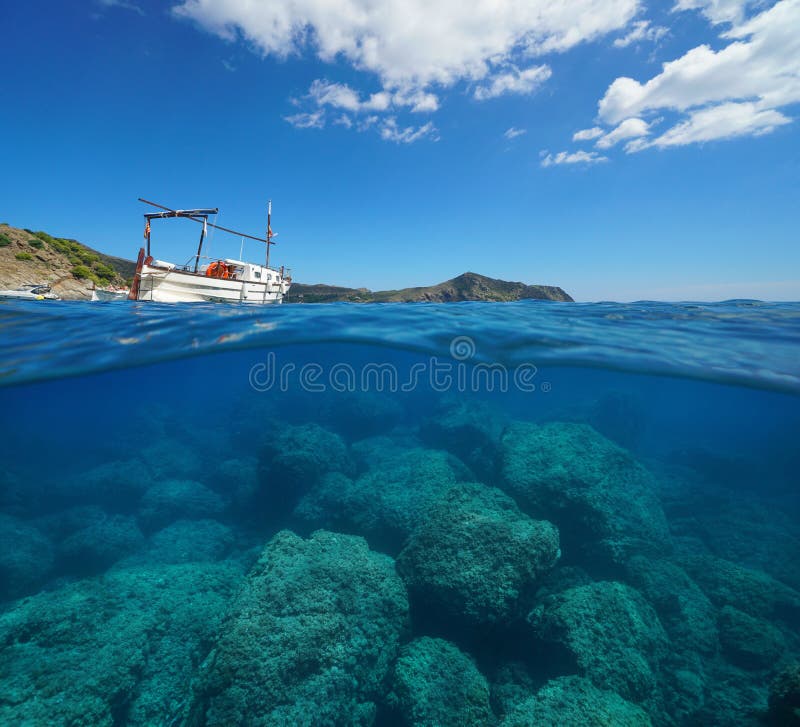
120	649
575	702
475	557
26	557
468	429
170	458
172	500
115	486
610	632
748	590
435	683
187	541
292	461
385	503
356	415
687	615
96	547
784	698
237	480
601	499
309	640
747	641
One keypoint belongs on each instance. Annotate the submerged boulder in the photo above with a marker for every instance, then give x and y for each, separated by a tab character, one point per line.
172	500
602	500
26	557
751	591
121	649
476	558
609	631
310	639
116	486
435	683
468	429
784	698
749	642
385	503
575	702
295	459
100	544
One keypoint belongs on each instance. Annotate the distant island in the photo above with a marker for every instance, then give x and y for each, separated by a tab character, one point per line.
468	286
71	268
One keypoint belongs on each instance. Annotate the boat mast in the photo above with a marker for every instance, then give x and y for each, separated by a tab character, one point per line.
200	246
269	229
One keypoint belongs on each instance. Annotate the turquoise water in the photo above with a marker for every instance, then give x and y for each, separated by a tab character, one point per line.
464	514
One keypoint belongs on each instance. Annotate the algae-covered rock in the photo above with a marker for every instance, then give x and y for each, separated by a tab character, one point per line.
468	429
684	610
187	541
120	649
116	485
310	639
747	641
436	685
749	590
575	702
26	557
100	544
611	633
475	557
784	698
385	503
295	459
356	415
172	500
602	500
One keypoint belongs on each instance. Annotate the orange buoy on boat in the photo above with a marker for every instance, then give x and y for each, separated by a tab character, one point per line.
217	270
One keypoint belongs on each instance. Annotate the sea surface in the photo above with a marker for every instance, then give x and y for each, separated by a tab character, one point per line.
526	513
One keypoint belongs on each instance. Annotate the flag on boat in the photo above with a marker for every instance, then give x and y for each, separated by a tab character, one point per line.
147	229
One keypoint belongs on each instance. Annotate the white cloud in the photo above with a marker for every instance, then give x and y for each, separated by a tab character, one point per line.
342	96
125	4
588	134
343	120
412	43
314	120
724	121
577	157
628	129
513	133
735	91
513	81
641	30
390	131
718	11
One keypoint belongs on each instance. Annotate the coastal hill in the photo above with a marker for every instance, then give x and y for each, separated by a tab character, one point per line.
71	268
469	286
68	266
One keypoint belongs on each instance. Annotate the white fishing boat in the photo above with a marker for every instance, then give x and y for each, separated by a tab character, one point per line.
30	292
220	280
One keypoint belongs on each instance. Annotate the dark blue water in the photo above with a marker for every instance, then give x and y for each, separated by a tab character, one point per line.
514	514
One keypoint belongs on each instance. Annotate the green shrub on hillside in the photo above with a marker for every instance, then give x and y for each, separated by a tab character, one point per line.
4	241
81	272
38	244
23	256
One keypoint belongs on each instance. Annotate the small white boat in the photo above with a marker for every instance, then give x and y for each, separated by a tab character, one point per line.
30	292
223	280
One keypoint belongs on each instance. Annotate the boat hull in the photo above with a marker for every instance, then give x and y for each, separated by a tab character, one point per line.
177	286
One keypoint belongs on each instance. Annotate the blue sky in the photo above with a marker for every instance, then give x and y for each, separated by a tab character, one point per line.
620	149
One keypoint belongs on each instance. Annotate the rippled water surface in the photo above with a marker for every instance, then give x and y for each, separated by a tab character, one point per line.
464	514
